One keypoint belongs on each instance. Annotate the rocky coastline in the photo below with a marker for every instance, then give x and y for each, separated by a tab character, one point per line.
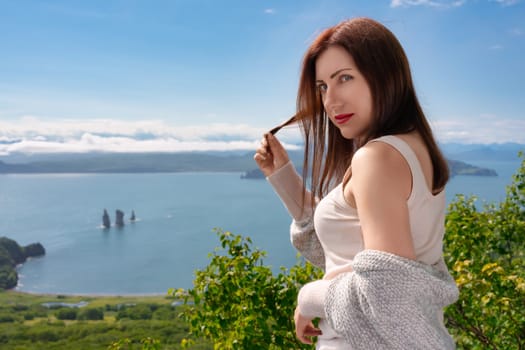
11	255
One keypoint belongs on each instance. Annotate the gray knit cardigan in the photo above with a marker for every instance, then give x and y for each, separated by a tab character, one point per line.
387	302
390	302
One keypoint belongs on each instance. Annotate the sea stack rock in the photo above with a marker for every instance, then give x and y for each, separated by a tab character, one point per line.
119	218
105	219
132	218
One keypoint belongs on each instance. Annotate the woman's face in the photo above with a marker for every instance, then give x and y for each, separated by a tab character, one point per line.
345	93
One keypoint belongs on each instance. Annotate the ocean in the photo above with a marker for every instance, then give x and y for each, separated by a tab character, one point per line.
174	231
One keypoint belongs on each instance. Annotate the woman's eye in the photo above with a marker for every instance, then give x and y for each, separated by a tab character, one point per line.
345	77
322	88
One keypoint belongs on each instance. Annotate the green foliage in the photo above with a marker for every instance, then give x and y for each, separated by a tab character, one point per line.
165	312
66	313
34	249
485	250
90	313
12	254
136	312
5	318
5	257
15	251
238	303
8	277
28	325
127	344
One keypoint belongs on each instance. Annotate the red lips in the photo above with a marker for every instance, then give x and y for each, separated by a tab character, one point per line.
343	118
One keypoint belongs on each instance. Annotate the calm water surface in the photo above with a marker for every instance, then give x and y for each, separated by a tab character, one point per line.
173	235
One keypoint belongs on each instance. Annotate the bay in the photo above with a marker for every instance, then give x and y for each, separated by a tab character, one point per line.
174	233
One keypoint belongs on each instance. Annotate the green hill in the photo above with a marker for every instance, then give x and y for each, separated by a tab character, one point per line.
12	254
173	162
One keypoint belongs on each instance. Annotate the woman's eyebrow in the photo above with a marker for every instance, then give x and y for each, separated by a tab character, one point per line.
334	74
338	71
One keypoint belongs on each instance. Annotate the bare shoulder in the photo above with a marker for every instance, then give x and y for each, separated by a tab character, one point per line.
381	165
378	156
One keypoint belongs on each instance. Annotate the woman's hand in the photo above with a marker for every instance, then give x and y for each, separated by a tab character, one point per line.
304	328
271	155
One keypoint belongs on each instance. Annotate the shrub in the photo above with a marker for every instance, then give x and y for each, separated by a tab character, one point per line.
29	316
45	335
93	314
6	318
147	343
485	250
136	312
166	312
20	307
66	313
238	303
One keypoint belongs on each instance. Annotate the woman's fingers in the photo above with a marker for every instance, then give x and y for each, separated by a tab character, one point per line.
262	153
270	155
311	331
264	158
305	335
277	150
304	328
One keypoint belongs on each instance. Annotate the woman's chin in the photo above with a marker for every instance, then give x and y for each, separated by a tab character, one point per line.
347	134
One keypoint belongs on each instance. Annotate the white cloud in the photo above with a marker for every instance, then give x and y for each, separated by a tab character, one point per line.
34	135
496	47
507	2
516	32
269	11
92	143
484	129
430	3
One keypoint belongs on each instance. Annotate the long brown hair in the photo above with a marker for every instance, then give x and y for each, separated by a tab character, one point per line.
396	109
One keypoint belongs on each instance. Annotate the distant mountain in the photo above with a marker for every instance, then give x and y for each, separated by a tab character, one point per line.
483	152
194	162
25	158
456	168
134	163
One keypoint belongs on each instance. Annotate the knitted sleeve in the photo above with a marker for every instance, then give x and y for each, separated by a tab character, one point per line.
305	240
390	302
288	185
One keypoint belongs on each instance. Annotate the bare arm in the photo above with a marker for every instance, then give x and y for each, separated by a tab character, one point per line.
379	188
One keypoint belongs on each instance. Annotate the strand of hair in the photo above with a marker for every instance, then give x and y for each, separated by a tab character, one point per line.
290	121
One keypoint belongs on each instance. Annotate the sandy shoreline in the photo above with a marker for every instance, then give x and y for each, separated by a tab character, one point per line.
89	295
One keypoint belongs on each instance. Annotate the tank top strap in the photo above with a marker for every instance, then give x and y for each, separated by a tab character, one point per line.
418	178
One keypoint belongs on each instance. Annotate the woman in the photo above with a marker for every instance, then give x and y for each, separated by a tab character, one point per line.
374	218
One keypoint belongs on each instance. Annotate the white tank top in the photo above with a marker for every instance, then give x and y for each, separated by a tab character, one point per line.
339	230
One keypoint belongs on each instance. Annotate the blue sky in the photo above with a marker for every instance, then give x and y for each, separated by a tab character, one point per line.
178	75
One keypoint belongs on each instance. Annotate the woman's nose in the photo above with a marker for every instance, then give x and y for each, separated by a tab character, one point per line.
331	101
